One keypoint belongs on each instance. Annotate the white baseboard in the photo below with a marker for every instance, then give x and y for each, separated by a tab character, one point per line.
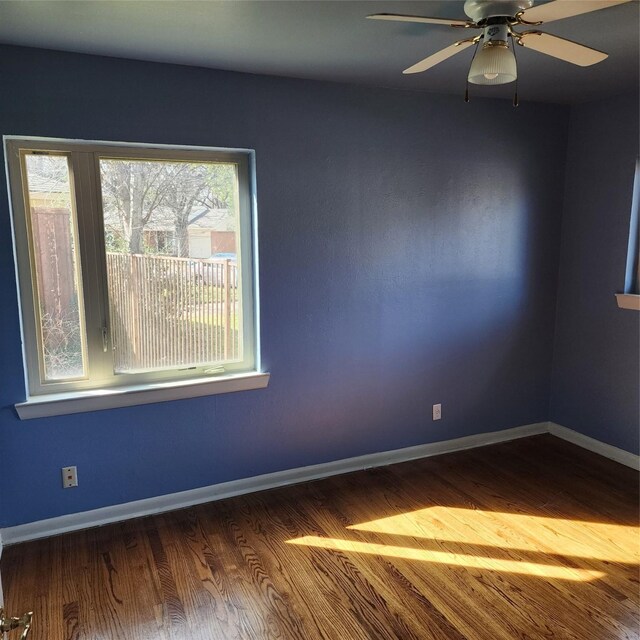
170	502
603	449
159	504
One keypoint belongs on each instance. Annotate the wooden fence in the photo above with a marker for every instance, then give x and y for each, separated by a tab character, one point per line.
173	312
53	255
57	292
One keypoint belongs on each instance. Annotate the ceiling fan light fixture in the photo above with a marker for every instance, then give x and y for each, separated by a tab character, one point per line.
493	64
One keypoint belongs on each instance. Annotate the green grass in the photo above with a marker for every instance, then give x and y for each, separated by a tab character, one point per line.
205	294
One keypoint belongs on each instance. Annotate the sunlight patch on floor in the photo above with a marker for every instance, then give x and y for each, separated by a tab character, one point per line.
558	536
453	559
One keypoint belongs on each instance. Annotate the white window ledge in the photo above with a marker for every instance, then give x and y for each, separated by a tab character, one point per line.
57	404
628	301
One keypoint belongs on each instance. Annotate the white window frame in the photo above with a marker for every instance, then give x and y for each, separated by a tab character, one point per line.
102	388
630	299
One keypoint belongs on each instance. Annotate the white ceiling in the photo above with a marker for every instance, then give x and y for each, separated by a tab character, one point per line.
325	40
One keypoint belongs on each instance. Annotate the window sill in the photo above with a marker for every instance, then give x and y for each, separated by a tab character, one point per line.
97	399
628	301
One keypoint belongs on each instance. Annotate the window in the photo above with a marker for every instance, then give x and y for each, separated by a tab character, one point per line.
122	281
630	299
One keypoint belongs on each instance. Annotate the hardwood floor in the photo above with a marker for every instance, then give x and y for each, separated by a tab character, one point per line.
534	538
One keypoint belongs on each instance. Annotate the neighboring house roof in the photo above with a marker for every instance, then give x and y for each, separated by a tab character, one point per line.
47	184
218	219
206	219
214	219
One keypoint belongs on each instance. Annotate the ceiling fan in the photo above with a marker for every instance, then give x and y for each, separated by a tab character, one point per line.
494	61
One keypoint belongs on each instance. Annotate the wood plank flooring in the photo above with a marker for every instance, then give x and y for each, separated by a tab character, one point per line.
534	538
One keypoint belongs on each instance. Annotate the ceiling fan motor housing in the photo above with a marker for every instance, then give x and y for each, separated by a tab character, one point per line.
494	34
479	10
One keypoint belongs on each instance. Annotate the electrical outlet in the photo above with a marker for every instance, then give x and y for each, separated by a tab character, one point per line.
69	477
437	411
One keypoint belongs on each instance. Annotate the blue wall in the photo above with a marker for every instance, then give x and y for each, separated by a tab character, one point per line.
596	378
409	250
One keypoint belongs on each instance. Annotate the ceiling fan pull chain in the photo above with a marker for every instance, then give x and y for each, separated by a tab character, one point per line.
475	51
515	95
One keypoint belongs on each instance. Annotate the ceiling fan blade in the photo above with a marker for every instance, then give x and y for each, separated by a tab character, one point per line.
400	18
560	9
561	48
441	56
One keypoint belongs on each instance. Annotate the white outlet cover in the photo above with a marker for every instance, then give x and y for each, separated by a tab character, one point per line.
437	412
69	477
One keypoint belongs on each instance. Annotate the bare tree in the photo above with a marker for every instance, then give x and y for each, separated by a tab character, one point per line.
189	188
133	190
168	194
222	181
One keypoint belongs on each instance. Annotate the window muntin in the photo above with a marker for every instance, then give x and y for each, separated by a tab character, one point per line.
212	296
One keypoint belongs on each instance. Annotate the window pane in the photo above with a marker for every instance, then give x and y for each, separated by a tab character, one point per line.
57	269
171	233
